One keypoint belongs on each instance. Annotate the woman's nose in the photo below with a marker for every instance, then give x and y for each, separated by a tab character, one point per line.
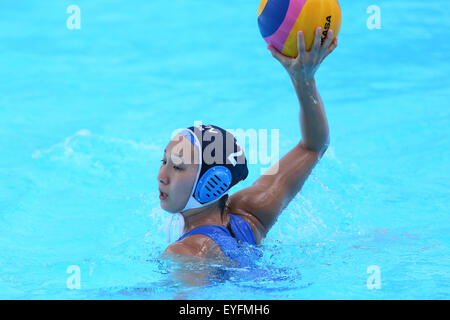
162	177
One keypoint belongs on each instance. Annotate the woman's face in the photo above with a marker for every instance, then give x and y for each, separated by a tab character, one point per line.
177	174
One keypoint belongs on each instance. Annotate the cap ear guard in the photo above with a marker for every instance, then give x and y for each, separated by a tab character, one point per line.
213	184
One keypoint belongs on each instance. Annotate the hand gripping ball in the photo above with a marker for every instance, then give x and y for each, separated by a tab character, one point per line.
280	20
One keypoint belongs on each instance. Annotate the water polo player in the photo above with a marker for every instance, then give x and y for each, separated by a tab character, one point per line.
202	163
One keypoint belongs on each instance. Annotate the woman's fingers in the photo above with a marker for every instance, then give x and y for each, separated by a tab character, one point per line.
331	48
326	44
301	44
279	56
306	64
317	39
328	39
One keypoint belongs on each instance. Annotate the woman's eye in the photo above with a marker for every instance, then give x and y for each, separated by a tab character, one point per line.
163	162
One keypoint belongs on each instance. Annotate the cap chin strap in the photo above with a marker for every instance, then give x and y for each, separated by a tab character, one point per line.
175	227
174	231
171	234
194	204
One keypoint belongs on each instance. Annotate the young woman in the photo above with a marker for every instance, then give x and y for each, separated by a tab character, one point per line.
194	181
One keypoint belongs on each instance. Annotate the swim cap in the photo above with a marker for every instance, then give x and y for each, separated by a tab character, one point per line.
222	164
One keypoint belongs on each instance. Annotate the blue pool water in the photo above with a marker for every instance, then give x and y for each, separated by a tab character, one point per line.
85	115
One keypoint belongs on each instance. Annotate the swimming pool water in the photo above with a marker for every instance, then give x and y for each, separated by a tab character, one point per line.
85	115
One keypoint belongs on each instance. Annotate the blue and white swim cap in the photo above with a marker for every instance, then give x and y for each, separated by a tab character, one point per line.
222	165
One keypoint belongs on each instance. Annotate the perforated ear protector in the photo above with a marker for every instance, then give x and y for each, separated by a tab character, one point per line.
213	184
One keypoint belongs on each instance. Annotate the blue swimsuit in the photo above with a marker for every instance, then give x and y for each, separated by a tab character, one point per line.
235	241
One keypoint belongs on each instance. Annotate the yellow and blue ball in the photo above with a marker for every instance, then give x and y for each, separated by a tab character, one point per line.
280	20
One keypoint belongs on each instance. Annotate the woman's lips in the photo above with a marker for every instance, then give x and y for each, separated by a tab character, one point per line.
162	195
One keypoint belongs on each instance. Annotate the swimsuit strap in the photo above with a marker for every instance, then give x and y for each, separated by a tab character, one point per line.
242	229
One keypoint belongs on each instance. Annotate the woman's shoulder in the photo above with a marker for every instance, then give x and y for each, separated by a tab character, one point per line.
197	245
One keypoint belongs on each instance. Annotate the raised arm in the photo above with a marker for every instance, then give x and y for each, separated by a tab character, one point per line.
273	191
